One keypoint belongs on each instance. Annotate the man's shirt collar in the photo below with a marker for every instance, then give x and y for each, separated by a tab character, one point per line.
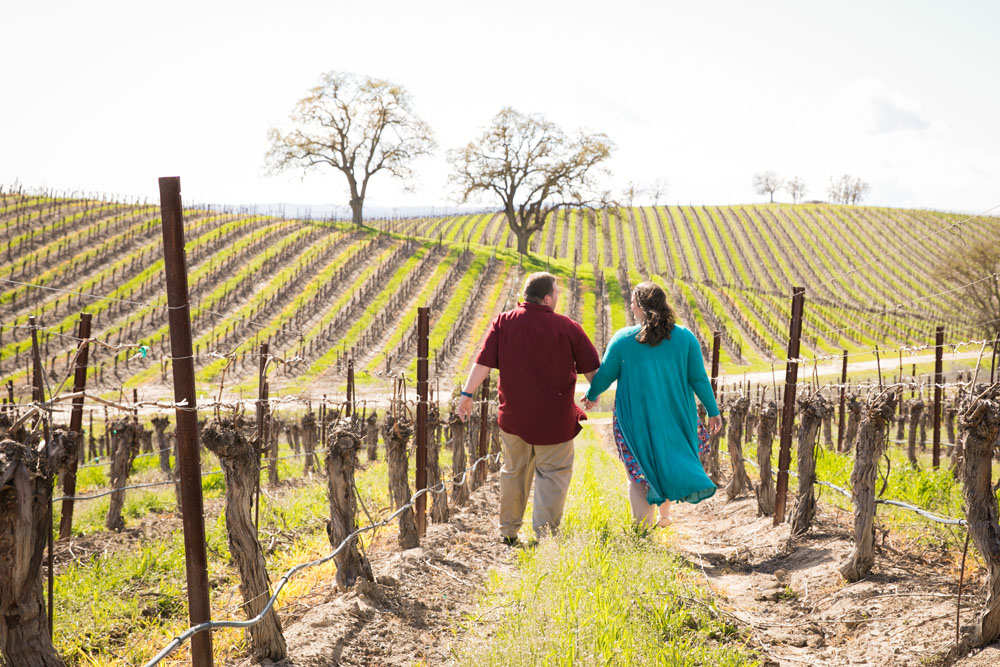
527	305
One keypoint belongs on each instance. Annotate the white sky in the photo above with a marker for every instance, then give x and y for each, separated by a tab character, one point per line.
107	96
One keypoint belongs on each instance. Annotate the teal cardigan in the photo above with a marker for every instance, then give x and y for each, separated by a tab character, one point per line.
656	412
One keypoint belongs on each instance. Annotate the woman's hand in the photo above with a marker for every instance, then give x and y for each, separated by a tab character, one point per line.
587	403
715	424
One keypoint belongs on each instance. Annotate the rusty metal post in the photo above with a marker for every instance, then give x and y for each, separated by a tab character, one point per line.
484	428
38	397
189	464
788	404
349	408
37	386
423	349
993	361
75	425
843	403
938	395
716	346
261	433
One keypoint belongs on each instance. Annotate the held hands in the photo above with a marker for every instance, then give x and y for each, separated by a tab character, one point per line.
587	403
715	424
464	407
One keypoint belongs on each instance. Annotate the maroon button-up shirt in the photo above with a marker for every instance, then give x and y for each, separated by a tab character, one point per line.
539	354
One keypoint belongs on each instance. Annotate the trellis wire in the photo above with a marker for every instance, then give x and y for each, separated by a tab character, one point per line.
213	625
939	518
952	227
134	486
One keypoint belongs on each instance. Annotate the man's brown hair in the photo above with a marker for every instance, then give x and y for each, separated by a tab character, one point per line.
539	285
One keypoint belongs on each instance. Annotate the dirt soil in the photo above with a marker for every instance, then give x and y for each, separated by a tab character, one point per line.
789	592
408	616
790	595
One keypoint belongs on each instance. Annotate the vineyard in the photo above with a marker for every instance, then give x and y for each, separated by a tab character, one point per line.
322	292
317	324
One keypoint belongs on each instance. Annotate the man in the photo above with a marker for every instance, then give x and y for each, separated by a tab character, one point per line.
539	354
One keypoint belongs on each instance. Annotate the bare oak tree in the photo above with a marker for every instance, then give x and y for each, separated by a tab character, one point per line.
796	188
532	166
632	192
767	183
977	265
658	190
847	190
357	125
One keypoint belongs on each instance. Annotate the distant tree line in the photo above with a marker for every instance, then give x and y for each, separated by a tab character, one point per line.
362	126
844	189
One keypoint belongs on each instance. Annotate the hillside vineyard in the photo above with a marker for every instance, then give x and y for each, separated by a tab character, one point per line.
322	292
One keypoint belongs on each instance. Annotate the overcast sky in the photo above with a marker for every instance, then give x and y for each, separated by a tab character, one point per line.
107	96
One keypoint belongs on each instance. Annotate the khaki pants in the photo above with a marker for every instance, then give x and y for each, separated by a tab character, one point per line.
552	468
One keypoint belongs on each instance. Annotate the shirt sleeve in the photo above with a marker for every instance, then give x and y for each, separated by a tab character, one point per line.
489	353
609	371
698	378
584	352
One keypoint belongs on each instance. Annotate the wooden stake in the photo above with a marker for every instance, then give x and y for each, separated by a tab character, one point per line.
788	403
196	560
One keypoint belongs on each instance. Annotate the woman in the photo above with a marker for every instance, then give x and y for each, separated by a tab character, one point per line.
659	370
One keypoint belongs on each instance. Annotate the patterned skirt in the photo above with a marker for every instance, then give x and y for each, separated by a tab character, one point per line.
635	473
632	466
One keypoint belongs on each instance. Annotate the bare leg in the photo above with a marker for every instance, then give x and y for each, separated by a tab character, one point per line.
642	511
665	514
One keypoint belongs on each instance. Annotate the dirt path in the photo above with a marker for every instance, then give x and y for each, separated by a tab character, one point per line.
799	609
889	366
408	617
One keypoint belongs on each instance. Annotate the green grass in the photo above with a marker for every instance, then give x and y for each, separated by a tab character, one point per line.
934	490
662	220
585	232
306	294
588	311
617	301
448	318
404	325
120	606
478	331
699	325
51	227
475	233
456	230
559	220
249	306
82	236
700	243
638	230
600	593
324	362
659	251
149	273
615	259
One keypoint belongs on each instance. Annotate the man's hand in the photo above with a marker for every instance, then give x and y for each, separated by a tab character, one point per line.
464	407
477	374
715	424
587	403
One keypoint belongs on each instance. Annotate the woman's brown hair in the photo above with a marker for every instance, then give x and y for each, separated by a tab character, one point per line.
660	319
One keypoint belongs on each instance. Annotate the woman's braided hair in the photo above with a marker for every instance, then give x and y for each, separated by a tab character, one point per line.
660	318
